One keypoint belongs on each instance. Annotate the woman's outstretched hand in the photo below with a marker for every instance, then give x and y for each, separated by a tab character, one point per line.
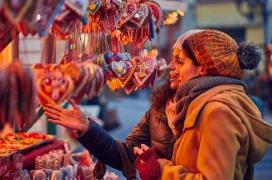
69	118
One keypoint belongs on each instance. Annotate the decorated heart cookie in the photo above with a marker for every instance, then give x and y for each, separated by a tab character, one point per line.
130	87
120	68
54	88
140	17
127	15
123	70
144	68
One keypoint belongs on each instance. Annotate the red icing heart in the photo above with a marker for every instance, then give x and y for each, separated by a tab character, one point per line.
144	69
54	88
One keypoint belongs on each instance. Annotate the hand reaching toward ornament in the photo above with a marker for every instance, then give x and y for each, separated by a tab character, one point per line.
72	119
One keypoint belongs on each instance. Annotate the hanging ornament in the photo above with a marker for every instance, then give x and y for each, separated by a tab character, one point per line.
144	68
54	88
94	6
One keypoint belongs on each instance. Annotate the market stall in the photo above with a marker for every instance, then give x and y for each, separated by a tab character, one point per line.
107	43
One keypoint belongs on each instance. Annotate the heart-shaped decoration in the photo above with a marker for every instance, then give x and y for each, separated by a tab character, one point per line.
144	69
131	10
141	16
120	67
131	86
94	6
54	88
123	71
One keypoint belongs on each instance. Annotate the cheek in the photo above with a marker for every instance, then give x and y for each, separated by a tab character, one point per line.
186	74
183	74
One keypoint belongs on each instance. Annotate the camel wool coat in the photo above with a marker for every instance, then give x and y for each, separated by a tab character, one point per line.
223	136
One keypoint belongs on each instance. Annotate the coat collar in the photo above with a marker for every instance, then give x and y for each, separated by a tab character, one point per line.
197	105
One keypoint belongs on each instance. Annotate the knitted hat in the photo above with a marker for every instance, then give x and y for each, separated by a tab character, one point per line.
218	53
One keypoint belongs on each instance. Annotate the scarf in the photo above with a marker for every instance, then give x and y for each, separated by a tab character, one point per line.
176	108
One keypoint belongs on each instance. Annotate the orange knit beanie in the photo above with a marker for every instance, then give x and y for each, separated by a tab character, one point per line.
218	53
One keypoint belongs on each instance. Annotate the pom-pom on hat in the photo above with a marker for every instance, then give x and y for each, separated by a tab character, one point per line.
218	53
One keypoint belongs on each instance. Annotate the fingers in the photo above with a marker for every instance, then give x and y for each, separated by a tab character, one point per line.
53	116
137	151
144	147
56	122
73	104
51	111
55	107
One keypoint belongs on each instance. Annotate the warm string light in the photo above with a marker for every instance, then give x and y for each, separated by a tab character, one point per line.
172	17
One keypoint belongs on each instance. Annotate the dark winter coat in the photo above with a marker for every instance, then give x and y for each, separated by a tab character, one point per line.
151	130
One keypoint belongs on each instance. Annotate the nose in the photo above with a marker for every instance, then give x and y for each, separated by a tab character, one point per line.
170	65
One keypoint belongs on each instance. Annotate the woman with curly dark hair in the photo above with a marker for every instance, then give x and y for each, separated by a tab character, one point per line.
152	130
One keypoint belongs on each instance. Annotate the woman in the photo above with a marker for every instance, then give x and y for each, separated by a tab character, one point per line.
220	132
117	154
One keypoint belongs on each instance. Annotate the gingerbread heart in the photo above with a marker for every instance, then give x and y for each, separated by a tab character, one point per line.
122	73
123	70
94	6
130	87
131	10
144	69
141	16
120	68
54	88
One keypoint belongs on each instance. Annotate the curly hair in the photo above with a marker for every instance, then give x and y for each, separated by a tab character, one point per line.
161	95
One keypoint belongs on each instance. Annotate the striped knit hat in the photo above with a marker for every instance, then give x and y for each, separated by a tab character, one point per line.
218	53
